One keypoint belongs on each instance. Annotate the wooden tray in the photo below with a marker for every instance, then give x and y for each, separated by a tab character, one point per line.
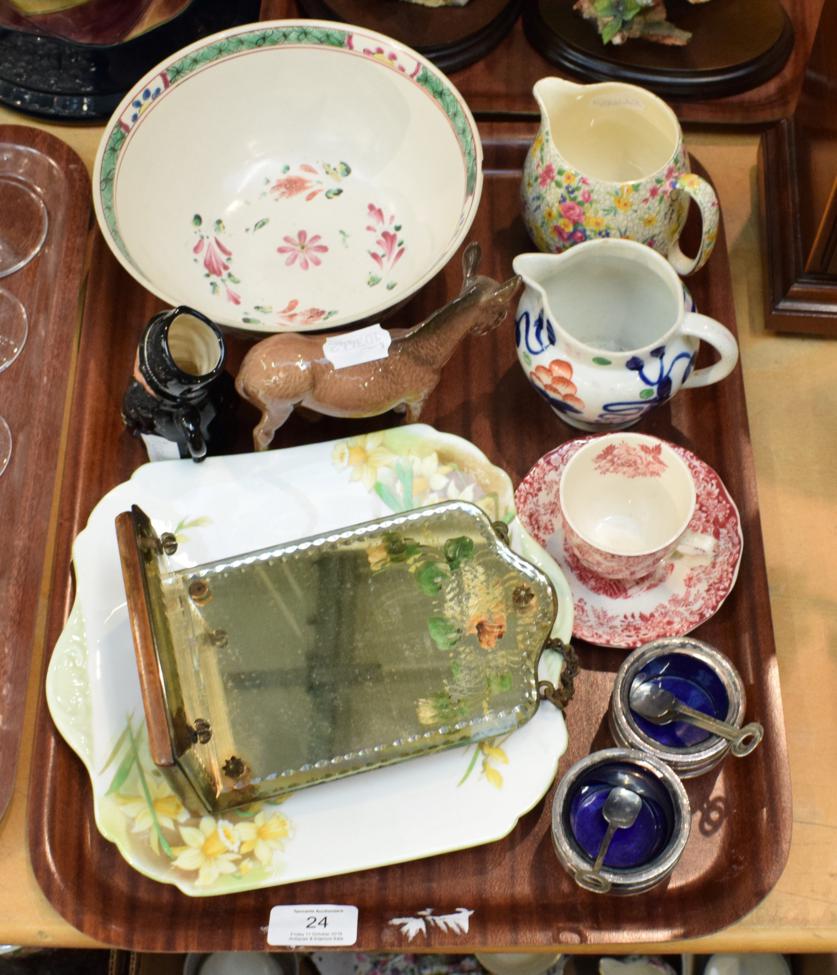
32	399
519	894
501	83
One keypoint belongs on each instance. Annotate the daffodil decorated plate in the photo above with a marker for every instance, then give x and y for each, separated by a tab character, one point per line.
435	804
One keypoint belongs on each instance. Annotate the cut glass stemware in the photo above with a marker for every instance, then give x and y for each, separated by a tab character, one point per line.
5	445
14	327
24	225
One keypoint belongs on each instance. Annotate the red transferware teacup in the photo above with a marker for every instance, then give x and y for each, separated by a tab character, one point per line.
626	501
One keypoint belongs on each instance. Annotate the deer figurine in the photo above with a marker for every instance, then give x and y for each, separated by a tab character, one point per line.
289	369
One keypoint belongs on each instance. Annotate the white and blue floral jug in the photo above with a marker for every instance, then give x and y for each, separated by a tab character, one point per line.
604	332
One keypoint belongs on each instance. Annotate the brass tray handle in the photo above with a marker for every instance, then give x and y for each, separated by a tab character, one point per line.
562	694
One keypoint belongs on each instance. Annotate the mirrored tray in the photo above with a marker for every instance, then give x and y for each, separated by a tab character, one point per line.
443	802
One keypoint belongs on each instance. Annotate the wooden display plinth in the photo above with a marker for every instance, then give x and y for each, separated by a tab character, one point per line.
798	171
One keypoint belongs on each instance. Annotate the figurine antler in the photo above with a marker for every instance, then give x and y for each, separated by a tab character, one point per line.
470	262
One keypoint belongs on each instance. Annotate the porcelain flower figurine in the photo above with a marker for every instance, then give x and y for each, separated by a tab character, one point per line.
618	20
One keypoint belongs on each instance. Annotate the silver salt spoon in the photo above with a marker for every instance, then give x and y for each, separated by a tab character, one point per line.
620	810
660	706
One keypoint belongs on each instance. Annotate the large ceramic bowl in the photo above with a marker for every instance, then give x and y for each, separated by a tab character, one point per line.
288	176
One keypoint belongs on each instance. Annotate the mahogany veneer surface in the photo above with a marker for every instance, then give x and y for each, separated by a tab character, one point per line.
501	82
32	400
519	894
736	46
420	27
451	37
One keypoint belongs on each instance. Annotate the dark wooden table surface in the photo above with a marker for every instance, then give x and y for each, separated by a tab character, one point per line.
501	83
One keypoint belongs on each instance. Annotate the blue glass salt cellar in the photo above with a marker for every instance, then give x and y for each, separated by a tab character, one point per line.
637	857
698	676
179	386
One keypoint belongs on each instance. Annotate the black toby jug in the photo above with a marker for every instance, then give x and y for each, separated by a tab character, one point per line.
179	360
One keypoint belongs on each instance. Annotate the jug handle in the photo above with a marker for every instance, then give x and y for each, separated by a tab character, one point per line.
188	422
704	196
721	339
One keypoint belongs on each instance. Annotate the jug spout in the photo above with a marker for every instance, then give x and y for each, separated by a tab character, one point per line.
535	269
553	95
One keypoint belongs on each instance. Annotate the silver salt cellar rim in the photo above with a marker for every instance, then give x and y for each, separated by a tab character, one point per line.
632	880
689	761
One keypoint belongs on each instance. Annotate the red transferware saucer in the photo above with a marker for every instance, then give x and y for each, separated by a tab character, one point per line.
685	591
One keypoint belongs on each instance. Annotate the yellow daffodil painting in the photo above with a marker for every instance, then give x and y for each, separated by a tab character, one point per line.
211	848
406	470
363	457
490	755
215	854
264	836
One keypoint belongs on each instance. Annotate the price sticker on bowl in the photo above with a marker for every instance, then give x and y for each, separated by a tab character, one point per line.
312	924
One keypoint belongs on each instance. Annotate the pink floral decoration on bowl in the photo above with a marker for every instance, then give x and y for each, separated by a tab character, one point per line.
292	314
303	248
388	242
216	258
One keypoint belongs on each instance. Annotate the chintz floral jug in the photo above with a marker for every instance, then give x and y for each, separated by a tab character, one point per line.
609	161
605	333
